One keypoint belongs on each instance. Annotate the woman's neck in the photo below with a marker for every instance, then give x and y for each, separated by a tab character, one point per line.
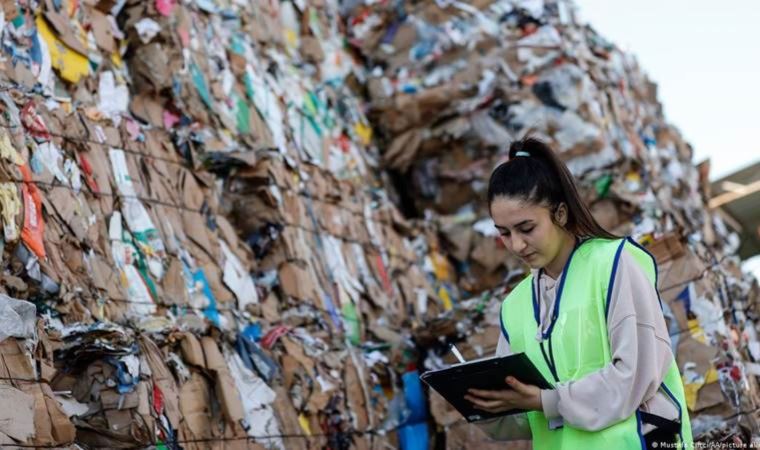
555	267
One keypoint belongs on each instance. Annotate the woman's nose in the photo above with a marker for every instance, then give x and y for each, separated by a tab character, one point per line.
517	244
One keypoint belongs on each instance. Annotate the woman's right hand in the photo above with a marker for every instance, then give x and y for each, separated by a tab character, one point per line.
517	396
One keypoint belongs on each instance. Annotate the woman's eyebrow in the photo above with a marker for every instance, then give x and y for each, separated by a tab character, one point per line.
515	226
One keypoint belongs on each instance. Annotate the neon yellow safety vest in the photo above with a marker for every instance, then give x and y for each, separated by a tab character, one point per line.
576	342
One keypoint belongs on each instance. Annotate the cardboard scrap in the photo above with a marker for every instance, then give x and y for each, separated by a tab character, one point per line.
17	422
231	227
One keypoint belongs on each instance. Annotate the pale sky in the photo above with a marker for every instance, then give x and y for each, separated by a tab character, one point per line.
705	57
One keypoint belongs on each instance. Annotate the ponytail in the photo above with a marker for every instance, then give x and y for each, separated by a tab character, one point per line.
535	174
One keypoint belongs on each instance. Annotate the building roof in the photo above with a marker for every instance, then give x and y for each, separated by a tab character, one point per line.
738	197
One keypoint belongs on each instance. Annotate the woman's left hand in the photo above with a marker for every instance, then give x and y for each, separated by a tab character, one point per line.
517	396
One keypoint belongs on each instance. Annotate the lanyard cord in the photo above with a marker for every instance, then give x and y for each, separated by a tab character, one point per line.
550	359
555	312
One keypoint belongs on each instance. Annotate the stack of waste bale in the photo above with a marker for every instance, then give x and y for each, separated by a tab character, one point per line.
450	84
196	237
224	228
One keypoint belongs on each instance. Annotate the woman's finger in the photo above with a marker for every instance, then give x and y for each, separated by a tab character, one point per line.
520	387
487	393
477	401
512	396
508	398
492	408
486	404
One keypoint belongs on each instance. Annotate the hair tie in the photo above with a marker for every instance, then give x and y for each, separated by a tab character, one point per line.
522	153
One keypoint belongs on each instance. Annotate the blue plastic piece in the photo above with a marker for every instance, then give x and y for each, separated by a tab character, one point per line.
210	312
415	397
413	437
253	332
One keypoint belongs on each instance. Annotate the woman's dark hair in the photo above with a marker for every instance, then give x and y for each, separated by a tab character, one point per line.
535	174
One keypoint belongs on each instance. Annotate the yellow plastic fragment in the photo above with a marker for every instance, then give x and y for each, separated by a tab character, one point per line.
72	66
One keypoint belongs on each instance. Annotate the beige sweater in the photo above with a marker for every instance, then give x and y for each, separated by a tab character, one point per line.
641	356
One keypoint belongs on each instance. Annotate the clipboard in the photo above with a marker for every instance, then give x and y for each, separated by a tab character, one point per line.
453	382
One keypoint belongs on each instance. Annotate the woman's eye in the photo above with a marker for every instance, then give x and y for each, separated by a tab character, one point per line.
528	230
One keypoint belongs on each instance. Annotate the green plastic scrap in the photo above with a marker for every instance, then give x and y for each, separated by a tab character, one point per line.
369	347
236	45
243	114
18	21
248	86
484	298
351	322
314	125
311	104
602	185
200	84
139	240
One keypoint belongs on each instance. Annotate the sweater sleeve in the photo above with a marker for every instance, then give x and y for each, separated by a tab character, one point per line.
507	428
641	355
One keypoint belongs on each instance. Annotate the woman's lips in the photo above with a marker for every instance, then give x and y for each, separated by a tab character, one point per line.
529	256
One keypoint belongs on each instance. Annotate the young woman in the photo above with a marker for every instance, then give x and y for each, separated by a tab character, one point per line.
588	316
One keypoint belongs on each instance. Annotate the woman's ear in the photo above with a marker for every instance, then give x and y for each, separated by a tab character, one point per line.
560	214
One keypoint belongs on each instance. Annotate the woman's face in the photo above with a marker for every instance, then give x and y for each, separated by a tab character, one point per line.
527	230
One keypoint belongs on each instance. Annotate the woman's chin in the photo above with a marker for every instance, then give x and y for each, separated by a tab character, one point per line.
534	262
534	265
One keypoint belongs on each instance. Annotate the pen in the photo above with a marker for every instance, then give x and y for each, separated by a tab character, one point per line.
456	353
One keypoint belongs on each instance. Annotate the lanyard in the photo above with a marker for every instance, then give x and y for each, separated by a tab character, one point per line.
547	336
550	359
